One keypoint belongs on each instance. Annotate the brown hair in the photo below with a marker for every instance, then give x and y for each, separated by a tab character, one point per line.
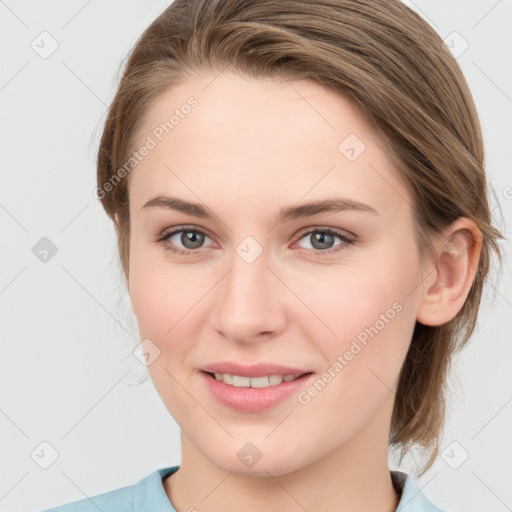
394	68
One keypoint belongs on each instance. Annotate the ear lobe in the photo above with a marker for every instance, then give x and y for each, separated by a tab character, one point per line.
458	253
116	224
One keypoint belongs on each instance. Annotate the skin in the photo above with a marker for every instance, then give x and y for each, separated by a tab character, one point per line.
248	149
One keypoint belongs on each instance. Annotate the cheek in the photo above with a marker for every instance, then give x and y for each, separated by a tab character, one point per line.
168	300
373	320
363	310
167	303
164	300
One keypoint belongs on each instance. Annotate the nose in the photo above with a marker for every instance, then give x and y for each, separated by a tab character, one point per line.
249	302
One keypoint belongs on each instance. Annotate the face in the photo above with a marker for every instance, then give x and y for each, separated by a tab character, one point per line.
330	291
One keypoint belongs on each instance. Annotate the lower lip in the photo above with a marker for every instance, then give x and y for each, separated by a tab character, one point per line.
253	399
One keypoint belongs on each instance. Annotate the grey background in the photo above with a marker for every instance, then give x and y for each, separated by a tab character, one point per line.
68	375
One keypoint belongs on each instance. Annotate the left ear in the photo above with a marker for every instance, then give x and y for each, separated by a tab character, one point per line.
457	255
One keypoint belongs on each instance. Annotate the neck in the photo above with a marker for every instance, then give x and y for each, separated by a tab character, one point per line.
354	477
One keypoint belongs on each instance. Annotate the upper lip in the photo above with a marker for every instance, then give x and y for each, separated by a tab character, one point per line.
253	370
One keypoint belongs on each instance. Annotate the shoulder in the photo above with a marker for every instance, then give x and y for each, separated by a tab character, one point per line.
148	491
119	499
413	499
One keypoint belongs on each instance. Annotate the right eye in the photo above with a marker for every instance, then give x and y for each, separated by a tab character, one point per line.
190	239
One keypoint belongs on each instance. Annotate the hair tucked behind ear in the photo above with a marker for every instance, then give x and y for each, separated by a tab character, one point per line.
393	66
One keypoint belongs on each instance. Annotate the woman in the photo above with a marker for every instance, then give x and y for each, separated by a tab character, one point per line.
298	194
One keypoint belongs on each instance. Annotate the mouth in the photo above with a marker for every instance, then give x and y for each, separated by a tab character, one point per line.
265	381
254	394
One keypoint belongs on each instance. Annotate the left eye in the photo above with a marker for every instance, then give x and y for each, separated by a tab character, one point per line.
322	239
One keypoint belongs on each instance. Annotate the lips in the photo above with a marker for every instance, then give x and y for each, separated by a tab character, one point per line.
251	399
254	370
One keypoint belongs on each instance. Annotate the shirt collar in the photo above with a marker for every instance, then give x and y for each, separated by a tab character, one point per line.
149	493
412	498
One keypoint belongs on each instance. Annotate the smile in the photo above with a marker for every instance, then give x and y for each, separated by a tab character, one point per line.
241	381
253	394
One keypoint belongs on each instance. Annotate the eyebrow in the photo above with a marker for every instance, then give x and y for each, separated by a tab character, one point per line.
328	205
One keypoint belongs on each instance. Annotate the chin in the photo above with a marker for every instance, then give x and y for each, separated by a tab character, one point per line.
261	465
262	469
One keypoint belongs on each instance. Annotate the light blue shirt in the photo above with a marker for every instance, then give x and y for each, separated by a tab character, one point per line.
148	495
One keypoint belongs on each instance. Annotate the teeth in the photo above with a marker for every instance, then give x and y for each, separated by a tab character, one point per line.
254	382
241	382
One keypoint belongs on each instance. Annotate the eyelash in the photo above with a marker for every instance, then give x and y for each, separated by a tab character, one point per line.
163	240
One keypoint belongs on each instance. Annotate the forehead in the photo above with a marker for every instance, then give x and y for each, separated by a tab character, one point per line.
228	101
261	138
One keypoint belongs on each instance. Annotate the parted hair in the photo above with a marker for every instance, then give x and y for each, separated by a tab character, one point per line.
394	68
